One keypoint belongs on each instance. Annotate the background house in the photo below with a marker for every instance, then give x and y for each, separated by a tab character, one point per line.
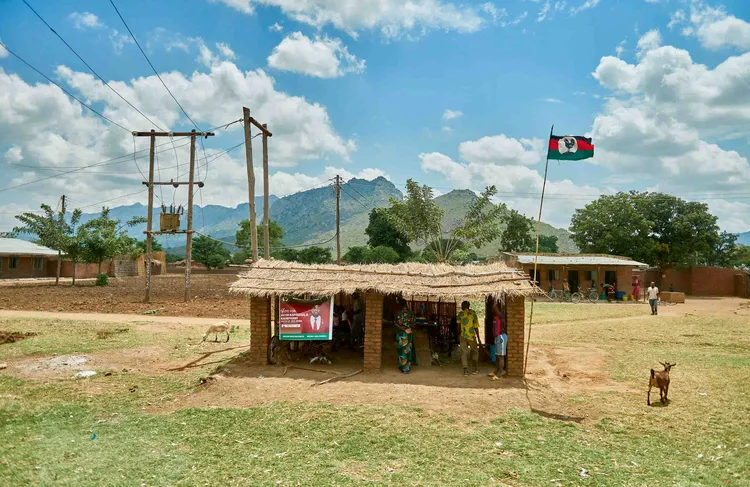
19	259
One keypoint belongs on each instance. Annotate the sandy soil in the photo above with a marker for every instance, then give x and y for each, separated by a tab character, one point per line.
210	293
553	374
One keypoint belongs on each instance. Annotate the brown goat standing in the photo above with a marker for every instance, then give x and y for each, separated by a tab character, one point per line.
660	380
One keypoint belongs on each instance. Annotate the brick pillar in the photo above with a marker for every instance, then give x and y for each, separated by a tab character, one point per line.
373	332
260	330
516	318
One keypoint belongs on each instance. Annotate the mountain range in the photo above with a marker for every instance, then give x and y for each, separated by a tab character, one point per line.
308	217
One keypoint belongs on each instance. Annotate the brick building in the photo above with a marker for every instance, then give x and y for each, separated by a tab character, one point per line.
378	284
579	269
21	259
704	281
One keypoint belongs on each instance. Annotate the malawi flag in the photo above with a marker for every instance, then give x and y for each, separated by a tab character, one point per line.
570	148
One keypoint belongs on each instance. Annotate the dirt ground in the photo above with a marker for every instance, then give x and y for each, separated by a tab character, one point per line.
210	297
553	373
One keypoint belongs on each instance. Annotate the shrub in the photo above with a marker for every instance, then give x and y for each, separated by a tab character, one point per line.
102	280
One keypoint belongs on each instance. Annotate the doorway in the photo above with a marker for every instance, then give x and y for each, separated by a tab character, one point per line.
573	281
610	277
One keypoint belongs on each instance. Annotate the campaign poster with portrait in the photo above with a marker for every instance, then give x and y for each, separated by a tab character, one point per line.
306	319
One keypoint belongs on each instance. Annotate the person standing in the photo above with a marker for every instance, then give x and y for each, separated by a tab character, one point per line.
358	325
653	298
404	321
469	339
636	288
501	345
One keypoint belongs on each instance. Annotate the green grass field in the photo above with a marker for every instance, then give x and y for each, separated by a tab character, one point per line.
701	438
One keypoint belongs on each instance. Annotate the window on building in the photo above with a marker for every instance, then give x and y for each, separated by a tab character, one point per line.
37	263
553	275
592	276
12	262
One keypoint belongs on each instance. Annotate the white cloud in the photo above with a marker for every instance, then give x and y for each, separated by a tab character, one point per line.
713	27
648	42
550	100
276	27
49	129
446	128
322	57
86	20
500	149
544	11
226	51
284	183
451	114
208	58
620	49
119	41
585	6
393	18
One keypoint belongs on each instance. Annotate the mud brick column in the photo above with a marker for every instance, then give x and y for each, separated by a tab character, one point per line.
516	317
373	332
260	330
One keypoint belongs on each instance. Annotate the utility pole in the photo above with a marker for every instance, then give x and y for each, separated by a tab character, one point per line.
59	251
266	248
189	245
250	184
150	216
338	220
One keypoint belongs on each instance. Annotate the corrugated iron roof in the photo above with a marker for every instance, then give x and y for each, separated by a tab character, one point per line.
579	260
18	247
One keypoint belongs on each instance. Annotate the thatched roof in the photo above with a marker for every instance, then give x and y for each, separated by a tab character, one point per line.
420	281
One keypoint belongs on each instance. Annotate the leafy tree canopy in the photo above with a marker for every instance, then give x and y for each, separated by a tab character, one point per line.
209	252
381	231
548	244
518	234
309	255
656	228
243	237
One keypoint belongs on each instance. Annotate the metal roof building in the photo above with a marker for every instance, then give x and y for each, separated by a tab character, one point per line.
15	247
577	260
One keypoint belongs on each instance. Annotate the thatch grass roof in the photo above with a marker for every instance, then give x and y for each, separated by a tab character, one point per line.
420	281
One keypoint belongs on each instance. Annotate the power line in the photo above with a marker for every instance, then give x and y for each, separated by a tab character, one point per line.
152	66
111	199
90	68
63	89
355	199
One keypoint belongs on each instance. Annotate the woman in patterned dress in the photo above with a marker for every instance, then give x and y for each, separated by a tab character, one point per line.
404	321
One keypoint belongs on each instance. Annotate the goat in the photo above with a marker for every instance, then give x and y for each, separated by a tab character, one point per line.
216	328
661	380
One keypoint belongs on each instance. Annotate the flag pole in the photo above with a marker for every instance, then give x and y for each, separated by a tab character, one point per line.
536	256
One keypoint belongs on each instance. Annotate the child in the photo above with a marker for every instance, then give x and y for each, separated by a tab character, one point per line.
501	346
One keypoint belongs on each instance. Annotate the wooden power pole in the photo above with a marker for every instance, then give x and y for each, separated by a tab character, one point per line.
189	243
150	217
338	220
250	184
59	251
266	248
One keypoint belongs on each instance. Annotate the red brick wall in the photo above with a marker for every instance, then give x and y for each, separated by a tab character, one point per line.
373	332
713	281
515	330
24	269
260	331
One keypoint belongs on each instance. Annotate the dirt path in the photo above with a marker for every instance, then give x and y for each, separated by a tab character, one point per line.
118	318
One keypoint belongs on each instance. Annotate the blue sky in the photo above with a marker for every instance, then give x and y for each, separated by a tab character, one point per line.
452	94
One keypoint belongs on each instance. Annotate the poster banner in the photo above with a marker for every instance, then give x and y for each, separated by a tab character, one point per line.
306	319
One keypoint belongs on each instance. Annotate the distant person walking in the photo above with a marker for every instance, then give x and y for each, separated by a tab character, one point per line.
469	339
653	298
636	289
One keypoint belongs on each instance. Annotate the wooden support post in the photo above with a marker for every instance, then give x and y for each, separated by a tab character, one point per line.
338	220
266	249
150	216
189	245
250	184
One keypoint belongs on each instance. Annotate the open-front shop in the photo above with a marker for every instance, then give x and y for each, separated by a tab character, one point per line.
314	303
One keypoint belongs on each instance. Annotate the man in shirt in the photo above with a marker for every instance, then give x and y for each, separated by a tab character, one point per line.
315	319
653	297
469	338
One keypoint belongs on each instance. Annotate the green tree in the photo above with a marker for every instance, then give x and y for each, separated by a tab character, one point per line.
656	228
741	257
105	238
383	255
314	255
548	244
421	219
50	230
243	237
140	246
726	251
517	236
358	254
209	252
381	231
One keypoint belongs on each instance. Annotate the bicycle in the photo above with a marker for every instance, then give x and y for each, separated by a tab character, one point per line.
592	296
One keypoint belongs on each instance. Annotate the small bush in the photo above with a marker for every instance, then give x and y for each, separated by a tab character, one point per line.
102	280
